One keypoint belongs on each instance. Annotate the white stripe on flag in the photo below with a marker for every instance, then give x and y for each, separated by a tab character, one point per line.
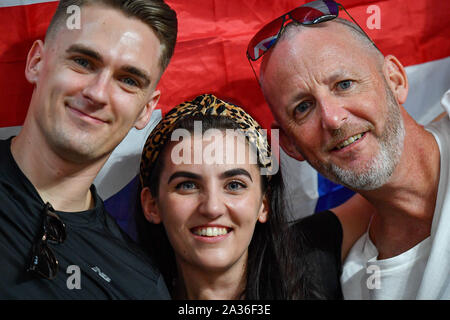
15	3
123	164
427	84
7	132
301	187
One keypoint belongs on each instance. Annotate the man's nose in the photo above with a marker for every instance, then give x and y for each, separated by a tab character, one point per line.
212	205
333	112
97	89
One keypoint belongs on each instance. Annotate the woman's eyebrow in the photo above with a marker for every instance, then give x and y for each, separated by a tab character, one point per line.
236	172
184	174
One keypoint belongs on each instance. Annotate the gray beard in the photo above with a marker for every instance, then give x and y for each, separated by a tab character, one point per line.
377	171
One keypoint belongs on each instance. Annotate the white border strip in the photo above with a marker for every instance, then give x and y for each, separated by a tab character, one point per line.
15	3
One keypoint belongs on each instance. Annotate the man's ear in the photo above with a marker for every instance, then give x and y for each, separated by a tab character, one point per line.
264	211
146	113
396	77
149	206
34	61
286	143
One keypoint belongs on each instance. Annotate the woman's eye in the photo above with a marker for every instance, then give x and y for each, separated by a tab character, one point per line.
235	186
187	185
344	85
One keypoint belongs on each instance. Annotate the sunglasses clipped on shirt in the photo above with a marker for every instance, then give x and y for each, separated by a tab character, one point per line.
43	260
310	13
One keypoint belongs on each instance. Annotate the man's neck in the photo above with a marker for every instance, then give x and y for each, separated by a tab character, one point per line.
63	183
405	205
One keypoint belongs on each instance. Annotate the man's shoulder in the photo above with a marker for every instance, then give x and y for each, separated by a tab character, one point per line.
4	151
9	171
135	260
123	239
441	132
441	126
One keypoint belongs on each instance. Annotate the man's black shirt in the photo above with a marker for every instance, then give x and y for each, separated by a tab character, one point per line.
111	265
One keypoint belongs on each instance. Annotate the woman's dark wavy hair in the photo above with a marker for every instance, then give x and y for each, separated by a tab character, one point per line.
276	267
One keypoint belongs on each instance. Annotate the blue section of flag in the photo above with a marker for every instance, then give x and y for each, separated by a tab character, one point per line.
270	43
121	207
331	194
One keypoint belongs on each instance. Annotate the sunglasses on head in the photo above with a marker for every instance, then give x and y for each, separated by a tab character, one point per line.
308	14
43	261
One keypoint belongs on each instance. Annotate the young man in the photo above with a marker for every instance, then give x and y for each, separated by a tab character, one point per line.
91	86
338	104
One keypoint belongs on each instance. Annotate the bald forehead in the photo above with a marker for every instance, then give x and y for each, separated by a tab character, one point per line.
351	32
332	37
312	58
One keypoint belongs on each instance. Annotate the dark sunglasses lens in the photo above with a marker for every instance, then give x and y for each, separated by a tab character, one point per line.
315	12
43	261
55	228
264	39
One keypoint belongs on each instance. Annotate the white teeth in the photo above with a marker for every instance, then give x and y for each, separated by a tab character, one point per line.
210	231
349	141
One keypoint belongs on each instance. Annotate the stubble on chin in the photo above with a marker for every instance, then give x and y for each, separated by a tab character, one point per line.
75	146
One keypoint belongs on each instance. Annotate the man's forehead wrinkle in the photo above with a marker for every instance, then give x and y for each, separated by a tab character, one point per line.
318	54
303	52
327	31
301	66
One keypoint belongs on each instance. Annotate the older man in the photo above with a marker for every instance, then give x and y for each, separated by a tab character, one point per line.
91	86
338	104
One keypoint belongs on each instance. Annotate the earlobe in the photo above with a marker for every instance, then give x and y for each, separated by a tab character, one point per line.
149	207
146	113
34	61
264	212
396	77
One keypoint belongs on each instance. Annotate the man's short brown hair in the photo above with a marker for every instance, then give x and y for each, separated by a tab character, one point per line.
155	13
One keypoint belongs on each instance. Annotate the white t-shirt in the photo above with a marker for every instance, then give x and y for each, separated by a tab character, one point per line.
422	272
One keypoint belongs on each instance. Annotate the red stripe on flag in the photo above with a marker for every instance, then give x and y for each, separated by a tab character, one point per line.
20	26
213	38
414	31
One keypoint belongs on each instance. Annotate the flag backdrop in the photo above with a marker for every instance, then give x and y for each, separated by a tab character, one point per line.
210	58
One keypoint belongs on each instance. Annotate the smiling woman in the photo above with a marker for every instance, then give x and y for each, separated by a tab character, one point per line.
217	229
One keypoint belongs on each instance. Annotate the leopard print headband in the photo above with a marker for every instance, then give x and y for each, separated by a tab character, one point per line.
206	104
